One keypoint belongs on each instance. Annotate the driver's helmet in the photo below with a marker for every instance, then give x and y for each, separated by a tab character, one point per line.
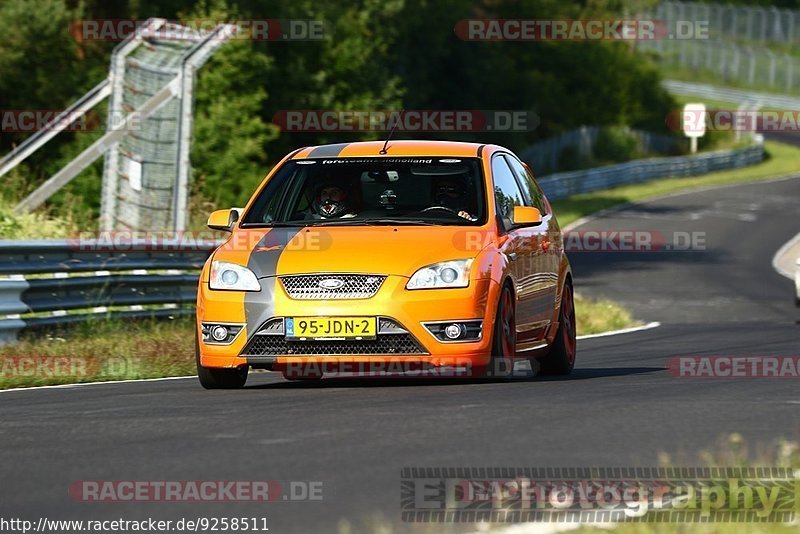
330	200
450	192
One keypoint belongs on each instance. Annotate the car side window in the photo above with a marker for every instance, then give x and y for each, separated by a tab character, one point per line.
507	193
534	195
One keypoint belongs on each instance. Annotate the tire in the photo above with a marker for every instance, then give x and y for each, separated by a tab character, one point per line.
561	358
504	337
211	378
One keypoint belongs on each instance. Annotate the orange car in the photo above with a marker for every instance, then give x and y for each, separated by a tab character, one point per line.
429	257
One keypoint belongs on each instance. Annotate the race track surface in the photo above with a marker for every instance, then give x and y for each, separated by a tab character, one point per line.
619	408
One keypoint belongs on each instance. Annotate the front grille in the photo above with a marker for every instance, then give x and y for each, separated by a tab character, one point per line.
383	344
353	286
392	338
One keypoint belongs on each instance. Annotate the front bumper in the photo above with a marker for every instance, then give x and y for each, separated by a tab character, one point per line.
410	310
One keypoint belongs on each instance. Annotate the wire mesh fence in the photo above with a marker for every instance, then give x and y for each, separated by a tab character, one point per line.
747	46
147	159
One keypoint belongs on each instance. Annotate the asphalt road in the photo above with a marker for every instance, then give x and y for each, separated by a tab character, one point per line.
619	408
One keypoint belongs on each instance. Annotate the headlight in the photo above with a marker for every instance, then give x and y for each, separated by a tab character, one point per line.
233	277
453	273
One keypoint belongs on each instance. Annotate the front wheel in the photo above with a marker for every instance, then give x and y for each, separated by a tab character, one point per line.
212	378
504	337
561	358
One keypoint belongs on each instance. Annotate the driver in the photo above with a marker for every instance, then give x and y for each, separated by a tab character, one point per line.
450	192
330	201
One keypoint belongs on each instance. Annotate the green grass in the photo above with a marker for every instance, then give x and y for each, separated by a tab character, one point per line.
35	225
782	159
603	315
676	72
101	350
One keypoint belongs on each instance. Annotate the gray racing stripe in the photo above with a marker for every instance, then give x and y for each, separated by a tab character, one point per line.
263	261
327	151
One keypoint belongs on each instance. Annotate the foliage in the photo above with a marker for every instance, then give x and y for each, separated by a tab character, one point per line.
377	55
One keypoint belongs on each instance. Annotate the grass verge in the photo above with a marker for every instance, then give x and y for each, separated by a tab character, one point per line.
101	350
781	159
603	315
104	350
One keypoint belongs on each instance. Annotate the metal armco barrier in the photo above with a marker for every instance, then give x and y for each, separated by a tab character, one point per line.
74	280
561	185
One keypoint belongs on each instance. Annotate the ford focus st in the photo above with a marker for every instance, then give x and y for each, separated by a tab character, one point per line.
380	258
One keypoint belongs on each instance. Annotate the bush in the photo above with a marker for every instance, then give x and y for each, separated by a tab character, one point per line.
615	144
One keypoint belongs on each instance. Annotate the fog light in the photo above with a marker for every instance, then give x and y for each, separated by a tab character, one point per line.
219	333
453	331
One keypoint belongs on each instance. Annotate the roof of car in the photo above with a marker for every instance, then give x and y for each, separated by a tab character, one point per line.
394	148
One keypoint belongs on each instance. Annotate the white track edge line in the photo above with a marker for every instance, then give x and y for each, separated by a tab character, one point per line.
82	384
620	207
648	326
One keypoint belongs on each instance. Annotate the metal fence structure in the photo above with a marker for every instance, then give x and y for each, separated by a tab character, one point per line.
737	46
545	155
148	132
561	185
51	283
756	24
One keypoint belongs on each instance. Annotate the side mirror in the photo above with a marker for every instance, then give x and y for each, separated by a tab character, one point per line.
526	215
223	220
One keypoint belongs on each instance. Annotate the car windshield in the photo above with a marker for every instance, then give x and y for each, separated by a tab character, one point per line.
367	191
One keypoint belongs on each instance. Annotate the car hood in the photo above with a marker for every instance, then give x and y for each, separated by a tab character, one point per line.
394	250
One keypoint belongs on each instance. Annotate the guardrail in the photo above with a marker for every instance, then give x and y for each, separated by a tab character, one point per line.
730	94
51	283
563	184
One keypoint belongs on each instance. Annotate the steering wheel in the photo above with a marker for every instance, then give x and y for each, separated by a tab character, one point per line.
442	208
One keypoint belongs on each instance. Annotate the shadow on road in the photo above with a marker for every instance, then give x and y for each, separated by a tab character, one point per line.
349	382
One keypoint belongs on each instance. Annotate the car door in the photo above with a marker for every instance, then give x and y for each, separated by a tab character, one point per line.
521	250
540	287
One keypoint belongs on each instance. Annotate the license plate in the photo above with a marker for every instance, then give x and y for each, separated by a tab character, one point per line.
331	327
